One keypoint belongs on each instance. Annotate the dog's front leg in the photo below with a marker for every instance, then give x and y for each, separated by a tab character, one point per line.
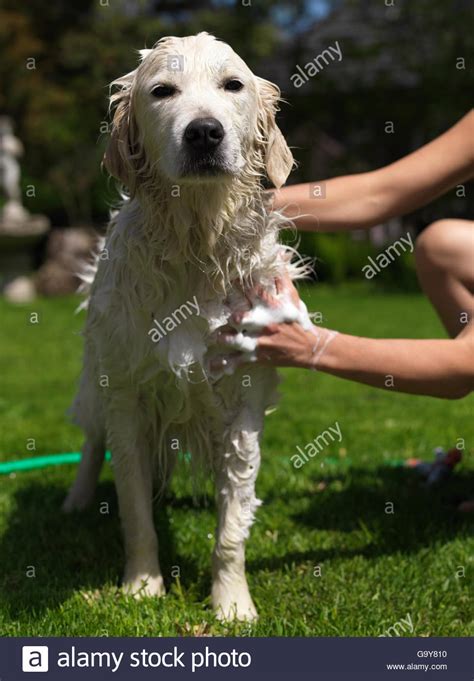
133	480
236	472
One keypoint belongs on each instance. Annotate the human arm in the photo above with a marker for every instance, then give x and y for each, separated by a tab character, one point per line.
366	199
439	368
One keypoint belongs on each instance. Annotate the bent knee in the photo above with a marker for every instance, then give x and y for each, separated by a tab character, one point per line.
444	242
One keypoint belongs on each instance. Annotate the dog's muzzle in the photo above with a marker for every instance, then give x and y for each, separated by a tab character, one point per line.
202	141
203	135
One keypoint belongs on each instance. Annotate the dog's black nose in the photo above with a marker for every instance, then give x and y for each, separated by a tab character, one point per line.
204	134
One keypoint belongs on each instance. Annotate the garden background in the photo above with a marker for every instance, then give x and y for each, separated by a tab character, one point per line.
326	556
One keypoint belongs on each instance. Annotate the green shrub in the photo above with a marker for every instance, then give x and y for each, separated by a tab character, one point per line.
340	257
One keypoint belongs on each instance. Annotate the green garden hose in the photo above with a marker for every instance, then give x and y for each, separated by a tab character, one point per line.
7	467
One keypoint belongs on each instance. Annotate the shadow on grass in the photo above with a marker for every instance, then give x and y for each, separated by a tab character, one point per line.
422	517
84	551
72	552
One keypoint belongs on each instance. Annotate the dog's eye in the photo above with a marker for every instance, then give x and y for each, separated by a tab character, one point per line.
161	91
233	85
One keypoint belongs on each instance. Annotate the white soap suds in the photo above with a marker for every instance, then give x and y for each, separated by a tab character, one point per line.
245	340
262	315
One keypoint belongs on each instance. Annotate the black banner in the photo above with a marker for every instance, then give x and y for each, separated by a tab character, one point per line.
315	659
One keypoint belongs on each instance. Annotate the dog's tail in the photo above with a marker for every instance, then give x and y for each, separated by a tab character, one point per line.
87	273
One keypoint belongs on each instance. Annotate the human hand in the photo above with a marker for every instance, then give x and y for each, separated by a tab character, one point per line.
276	331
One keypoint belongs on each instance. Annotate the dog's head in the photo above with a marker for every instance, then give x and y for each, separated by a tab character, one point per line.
194	112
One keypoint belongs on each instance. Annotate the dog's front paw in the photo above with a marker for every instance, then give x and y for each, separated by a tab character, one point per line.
233	603
141	584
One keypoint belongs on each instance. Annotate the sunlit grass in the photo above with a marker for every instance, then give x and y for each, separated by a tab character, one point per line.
324	557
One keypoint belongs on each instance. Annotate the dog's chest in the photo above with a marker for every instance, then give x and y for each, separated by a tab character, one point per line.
163	347
181	330
166	328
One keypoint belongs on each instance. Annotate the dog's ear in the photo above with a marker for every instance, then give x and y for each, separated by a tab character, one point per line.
119	157
277	155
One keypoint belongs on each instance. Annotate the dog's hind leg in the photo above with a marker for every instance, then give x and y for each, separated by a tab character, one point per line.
87	413
236	472
82	491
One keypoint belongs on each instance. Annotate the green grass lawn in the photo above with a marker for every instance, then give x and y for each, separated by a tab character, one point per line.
324	558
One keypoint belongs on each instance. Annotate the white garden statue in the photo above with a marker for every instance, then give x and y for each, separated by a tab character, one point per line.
10	150
20	231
